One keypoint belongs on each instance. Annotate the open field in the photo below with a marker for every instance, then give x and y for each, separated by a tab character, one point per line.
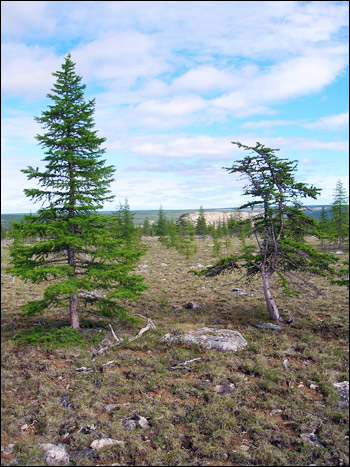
267	420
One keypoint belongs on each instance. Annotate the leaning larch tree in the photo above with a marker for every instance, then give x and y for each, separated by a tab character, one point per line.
279	228
70	247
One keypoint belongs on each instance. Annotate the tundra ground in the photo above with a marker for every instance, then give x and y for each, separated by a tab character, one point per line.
45	400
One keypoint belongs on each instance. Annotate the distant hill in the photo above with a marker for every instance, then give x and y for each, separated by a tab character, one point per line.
212	215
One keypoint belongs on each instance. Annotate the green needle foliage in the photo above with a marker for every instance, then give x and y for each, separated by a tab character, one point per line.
279	228
68	244
340	214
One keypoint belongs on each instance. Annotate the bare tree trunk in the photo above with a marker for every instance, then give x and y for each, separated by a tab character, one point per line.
270	301
73	300
73	308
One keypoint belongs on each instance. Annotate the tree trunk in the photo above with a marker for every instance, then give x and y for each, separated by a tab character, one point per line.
270	301
73	308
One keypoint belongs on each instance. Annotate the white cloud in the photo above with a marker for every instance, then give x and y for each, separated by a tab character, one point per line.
331	122
20	18
27	71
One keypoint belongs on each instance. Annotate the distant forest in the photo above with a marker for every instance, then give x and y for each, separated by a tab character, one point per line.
140	215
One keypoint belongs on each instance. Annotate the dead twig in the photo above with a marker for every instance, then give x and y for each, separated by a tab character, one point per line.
184	365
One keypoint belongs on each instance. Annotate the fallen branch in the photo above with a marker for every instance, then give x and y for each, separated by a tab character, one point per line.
109	344
184	365
114	334
149	325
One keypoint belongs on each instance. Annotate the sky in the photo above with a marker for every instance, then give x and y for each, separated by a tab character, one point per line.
175	83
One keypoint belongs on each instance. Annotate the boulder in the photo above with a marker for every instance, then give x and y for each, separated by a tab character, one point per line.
221	340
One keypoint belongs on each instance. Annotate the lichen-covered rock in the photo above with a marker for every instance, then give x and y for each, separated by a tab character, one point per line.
343	393
56	455
222	340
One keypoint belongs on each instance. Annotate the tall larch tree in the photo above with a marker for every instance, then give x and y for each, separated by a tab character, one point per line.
70	246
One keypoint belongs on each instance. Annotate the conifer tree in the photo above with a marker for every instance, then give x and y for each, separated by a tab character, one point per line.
201	225
280	228
340	214
161	226
72	249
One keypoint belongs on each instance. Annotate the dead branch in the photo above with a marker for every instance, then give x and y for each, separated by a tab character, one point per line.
114	334
118	341
184	365
149	325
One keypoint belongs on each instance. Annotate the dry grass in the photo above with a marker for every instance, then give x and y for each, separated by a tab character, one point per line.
190	423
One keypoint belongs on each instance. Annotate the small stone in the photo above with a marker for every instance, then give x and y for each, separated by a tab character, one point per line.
276	411
57	456
285	364
343	393
99	444
311	438
130	425
142	422
238	291
244	447
111	407
226	388
65	401
313	386
192	306
8	449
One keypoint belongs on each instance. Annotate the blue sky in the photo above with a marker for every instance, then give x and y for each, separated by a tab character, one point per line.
175	83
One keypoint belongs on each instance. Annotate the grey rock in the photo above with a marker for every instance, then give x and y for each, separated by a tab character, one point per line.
226	388
269	326
221	340
244	447
311	438
65	402
56	455
102	443
241	292
276	411
192	306
111	407
285	364
142	422
343	393
130	425
8	449
135	421
46	446
83	454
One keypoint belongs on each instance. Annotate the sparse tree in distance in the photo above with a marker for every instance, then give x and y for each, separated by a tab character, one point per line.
161	225
340	214
279	230
201	225
71	248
